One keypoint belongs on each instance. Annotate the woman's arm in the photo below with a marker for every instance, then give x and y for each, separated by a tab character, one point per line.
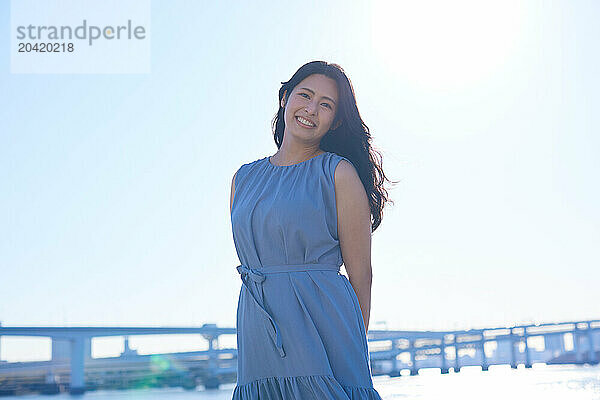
354	230
232	192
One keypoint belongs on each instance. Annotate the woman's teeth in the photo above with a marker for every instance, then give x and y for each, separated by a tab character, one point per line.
305	122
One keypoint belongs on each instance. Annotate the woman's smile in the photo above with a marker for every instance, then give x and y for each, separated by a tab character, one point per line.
303	122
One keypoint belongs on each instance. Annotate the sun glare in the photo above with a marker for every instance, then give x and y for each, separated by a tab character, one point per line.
442	44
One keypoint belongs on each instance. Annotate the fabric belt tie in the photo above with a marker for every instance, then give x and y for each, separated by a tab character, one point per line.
258	275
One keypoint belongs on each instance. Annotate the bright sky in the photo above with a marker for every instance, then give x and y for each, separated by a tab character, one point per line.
114	189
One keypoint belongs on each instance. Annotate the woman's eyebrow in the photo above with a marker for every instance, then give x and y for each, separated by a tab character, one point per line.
325	97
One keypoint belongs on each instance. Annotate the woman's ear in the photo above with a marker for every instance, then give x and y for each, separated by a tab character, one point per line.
336	125
282	102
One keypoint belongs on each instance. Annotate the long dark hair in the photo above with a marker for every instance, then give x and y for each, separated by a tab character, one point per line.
351	139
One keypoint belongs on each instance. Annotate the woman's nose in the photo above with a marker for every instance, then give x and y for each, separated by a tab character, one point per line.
310	108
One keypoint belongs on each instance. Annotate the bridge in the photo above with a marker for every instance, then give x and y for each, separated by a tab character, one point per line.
72	368
73	344
393	351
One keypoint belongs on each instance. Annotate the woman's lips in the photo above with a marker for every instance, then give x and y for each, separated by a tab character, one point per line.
302	125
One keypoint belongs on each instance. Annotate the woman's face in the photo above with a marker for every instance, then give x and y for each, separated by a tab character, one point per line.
311	108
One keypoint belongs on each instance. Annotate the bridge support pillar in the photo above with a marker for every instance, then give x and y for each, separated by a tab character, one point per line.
395	371
77	385
484	363
211	381
592	355
444	369
513	358
456	359
413	369
576	346
527	355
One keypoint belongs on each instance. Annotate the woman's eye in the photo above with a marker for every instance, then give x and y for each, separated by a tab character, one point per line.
308	97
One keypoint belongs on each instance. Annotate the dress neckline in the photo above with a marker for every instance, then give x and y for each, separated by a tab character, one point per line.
268	158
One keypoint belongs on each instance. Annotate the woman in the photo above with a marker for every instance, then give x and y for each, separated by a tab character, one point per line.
296	217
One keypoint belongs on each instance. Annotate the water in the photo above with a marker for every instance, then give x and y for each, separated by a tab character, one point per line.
500	382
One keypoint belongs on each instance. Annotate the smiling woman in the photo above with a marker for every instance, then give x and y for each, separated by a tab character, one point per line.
296	217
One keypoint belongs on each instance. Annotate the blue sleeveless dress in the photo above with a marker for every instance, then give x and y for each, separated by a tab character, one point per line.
300	331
